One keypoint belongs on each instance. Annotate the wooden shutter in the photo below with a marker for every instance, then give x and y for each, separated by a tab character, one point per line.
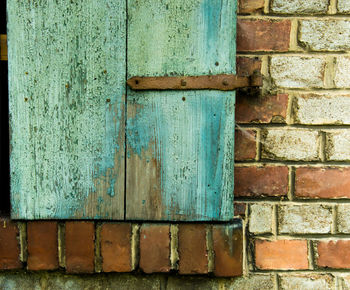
180	144
67	106
68	63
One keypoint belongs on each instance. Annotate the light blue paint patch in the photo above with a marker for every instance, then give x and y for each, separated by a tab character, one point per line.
139	129
193	141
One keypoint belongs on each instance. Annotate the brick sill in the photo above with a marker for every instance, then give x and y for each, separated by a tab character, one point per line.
101	247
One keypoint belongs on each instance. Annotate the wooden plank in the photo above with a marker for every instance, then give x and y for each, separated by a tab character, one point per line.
180	144
3	47
67	98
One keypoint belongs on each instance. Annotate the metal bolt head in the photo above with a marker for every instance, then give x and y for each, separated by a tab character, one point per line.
225	82
183	83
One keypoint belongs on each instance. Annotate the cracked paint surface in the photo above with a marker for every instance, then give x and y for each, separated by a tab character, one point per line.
66	78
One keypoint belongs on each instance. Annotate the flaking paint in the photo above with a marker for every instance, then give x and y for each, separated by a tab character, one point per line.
67	84
189	135
66	80
194	147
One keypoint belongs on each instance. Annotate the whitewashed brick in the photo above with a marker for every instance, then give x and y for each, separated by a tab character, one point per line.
298	72
343	218
321	109
304	219
307	282
290	144
344	6
338	145
260	221
345	282
251	282
325	35
299	6
342	72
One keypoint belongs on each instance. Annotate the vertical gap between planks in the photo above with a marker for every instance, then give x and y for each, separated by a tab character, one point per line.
125	104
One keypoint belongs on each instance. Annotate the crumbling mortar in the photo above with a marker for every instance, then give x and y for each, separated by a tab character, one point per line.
174	241
281	16
291	182
210	248
98	256
310	255
294	108
135	246
22	238
61	244
332	7
258	145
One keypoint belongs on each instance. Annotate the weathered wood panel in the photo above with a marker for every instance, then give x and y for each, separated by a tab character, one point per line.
180	145
67	97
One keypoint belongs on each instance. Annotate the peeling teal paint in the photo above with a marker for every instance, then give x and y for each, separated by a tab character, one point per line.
193	142
110	190
190	134
66	81
67	65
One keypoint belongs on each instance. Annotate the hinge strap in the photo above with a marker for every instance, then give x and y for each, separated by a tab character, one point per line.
221	82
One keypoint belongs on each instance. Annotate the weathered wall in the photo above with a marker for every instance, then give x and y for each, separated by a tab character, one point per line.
293	143
292	178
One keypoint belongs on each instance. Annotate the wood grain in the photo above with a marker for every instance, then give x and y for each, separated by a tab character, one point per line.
182	143
67	93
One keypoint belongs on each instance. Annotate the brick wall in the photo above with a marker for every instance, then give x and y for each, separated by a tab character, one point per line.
293	142
292	180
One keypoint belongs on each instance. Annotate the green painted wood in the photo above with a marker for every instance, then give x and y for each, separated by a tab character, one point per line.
180	145
67	97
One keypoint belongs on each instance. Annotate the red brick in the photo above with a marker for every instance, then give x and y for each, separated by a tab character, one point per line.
116	247
269	109
322	182
245	144
240	208
281	255
42	245
193	255
261	181
334	254
250	6
155	248
263	35
228	249
9	245
246	66
80	247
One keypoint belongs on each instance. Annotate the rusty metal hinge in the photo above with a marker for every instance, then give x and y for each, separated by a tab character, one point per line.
221	82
